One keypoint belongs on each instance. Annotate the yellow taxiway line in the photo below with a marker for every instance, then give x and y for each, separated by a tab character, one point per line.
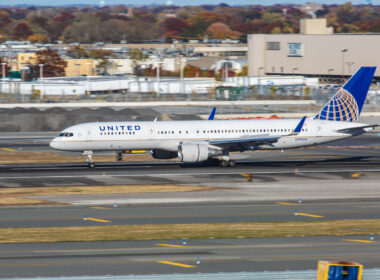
98	220
356	175
97	207
176	264
287	203
361	241
309	215
170	245
9	150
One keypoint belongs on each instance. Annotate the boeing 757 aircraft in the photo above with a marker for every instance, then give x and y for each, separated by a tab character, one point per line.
203	140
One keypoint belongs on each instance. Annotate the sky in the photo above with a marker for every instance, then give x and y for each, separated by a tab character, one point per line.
178	2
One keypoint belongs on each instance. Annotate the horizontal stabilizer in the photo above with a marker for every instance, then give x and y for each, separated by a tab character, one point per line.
357	130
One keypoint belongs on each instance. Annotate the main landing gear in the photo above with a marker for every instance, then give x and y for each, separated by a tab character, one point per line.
90	162
224	162
227	163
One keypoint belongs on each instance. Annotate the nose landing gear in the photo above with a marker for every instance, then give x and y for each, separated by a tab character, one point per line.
90	162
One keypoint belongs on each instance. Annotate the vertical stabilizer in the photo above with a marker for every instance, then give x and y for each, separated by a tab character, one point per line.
347	103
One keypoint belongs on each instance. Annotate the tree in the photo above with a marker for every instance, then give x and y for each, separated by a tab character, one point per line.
58	24
77	52
53	64
102	58
22	31
347	13
5	19
38	38
219	30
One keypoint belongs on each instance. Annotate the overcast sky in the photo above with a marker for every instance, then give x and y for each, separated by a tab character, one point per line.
177	2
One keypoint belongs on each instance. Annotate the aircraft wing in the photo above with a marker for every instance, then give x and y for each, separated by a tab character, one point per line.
256	139
357	130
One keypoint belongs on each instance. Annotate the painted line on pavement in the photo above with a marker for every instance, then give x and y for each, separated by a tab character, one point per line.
356	175
170	245
98	220
176	264
287	203
9	150
309	215
360	241
98	207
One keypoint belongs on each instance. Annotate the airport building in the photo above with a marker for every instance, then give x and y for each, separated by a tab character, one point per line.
315	52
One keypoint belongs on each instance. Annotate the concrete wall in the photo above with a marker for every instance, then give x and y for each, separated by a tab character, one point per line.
320	53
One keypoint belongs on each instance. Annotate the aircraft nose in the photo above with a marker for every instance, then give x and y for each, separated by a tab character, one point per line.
54	144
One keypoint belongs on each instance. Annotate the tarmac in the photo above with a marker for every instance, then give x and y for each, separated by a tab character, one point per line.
172	256
335	181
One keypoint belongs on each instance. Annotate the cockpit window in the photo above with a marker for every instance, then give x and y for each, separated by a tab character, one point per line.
66	134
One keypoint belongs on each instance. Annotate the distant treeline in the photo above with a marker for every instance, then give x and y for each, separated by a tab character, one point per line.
165	23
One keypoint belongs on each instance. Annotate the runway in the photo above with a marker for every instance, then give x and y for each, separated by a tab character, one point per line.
164	256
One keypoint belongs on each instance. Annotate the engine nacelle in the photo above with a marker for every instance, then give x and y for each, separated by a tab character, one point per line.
163	154
194	152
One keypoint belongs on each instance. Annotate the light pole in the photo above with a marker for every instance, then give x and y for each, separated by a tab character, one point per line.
41	78
88	77
158	77
349	64
294	71
3	74
259	77
343	51
183	61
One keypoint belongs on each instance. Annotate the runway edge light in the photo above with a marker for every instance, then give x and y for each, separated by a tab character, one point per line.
336	270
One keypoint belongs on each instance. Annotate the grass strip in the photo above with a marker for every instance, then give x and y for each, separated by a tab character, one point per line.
192	231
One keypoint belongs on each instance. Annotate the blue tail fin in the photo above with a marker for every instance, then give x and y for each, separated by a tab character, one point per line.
347	103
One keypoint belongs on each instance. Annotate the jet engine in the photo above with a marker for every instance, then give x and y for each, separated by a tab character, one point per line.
194	152
163	154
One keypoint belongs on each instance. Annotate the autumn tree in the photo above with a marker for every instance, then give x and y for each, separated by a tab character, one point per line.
77	52
102	59
58	24
38	38
5	19
22	31
175	27
53	64
220	30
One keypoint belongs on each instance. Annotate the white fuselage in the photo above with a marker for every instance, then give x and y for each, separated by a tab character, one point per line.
168	135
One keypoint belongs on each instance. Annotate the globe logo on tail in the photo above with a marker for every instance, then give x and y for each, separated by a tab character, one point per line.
342	107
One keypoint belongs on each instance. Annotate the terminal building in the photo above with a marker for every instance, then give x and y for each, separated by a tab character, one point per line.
315	52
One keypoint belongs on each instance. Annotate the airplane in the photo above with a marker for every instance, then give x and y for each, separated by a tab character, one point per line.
212	140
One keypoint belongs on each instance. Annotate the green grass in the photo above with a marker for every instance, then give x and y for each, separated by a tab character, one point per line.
193	231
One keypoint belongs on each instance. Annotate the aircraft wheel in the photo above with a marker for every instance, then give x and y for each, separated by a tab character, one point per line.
223	163
231	163
91	165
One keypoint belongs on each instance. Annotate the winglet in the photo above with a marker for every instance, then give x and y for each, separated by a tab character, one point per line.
212	114
299	126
